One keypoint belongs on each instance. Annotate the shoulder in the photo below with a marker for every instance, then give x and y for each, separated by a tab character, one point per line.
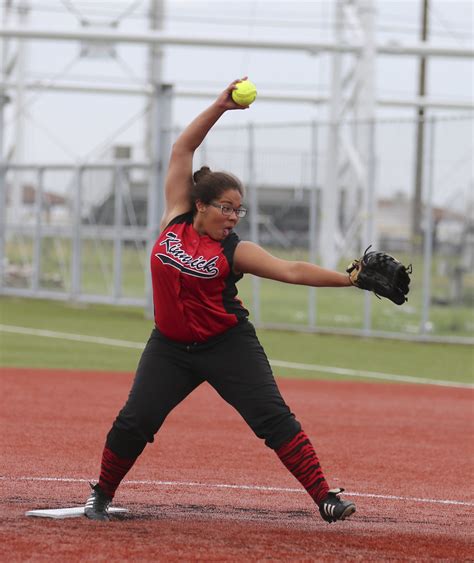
246	247
183	218
229	244
250	258
231	240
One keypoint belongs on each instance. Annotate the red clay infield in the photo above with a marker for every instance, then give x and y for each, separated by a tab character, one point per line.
207	489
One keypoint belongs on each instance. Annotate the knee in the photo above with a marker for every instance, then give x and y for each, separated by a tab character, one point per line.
125	444
278	430
283	432
130	434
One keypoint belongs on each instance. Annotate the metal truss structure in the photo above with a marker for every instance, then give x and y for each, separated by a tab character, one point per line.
352	104
352	100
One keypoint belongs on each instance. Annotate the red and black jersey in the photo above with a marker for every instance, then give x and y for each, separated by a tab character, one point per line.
194	291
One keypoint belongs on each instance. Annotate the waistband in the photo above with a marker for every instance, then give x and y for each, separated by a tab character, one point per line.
197	346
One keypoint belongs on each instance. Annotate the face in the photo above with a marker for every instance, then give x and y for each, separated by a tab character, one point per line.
211	221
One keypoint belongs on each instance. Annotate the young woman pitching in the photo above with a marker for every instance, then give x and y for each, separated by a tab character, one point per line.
202	332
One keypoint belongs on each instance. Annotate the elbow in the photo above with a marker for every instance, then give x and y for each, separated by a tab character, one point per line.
182	147
292	273
178	148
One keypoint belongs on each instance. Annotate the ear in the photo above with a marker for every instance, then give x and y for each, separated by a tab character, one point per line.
200	206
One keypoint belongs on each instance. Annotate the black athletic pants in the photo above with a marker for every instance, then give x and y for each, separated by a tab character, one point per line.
234	363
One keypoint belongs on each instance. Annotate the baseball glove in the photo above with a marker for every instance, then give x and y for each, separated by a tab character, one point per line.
382	274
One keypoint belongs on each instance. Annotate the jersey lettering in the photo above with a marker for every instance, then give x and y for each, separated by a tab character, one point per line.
175	256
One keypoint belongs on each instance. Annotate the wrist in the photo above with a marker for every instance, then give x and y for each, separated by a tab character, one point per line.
219	106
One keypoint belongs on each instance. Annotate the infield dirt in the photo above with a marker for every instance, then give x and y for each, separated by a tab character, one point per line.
203	490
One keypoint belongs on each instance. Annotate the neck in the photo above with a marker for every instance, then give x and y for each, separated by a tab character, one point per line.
197	224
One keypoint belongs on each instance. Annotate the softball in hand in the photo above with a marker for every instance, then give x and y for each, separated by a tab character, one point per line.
244	93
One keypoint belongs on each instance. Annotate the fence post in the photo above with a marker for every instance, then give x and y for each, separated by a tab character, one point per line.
3	222
37	242
370	231
254	215
118	224
428	234
160	117
313	218
3	192
76	236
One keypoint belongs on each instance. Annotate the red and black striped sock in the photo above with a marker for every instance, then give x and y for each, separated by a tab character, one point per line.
299	457
112	471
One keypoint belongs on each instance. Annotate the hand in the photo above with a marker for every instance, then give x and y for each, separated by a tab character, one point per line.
353	271
225	100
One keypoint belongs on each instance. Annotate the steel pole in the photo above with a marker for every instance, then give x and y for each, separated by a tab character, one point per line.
118	228
428	238
3	193
161	120
76	235
232	42
330	193
371	205
37	241
254	216
313	218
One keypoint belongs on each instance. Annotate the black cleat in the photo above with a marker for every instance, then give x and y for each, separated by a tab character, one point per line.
97	505
333	508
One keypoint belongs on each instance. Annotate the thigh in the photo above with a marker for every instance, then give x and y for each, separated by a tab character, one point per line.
240	372
163	379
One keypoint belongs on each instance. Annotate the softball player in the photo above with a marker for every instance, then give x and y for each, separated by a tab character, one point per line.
202	332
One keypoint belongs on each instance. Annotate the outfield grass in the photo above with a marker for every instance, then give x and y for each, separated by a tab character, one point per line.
344	308
279	303
433	361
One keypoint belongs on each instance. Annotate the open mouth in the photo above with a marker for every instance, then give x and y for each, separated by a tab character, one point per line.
227	231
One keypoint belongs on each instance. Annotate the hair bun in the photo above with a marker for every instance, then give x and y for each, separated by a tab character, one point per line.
199	174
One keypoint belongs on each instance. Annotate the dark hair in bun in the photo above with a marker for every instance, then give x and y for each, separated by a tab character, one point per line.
210	185
199	174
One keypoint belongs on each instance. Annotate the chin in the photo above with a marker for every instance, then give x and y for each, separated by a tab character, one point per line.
222	236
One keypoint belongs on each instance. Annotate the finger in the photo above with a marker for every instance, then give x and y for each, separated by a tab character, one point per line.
234	83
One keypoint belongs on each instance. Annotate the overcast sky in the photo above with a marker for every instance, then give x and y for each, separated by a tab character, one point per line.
69	127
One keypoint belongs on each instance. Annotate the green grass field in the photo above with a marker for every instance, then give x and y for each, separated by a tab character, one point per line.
280	303
432	361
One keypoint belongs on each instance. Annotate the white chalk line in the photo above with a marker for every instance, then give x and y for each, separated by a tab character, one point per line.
277	363
235	487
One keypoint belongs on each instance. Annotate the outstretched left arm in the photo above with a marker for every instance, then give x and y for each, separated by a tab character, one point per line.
249	258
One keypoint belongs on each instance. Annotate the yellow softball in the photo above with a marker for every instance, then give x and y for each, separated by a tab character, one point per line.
244	93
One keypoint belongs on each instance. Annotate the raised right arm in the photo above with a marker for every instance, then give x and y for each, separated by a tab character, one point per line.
179	181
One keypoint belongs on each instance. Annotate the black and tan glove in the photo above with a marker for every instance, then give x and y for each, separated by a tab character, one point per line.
383	274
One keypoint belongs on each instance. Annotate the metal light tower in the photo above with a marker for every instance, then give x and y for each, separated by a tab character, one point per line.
14	64
350	160
155	72
157	132
350	135
416	230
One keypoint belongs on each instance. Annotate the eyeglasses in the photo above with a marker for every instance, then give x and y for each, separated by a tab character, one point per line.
227	210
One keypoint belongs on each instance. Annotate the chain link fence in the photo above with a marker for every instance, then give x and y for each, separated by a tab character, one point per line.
83	233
